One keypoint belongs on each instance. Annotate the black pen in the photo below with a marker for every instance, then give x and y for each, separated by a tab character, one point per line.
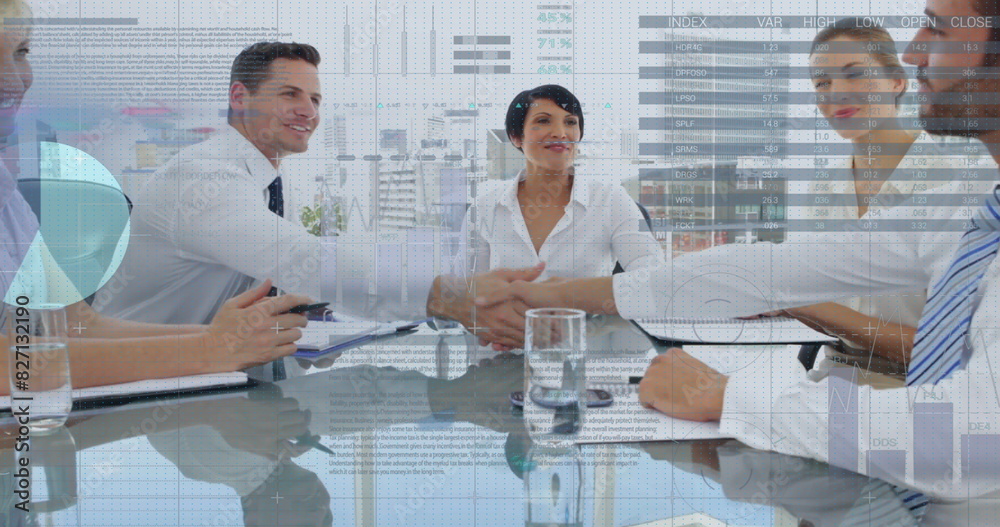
412	325
635	379
302	308
309	441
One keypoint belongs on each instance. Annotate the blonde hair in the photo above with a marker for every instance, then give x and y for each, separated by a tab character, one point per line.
883	50
16	9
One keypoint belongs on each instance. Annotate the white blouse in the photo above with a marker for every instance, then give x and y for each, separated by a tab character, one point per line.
602	225
22	272
899	190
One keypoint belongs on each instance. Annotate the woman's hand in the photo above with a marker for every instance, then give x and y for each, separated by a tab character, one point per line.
889	339
250	329
555	280
816	316
500	322
533	294
803	313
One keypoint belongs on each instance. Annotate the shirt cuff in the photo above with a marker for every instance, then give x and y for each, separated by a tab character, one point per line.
634	295
746	411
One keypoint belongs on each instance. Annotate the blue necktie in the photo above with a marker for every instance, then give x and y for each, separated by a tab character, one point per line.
941	339
276	201
276	204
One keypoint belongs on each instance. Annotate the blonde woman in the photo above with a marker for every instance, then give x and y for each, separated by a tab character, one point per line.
859	82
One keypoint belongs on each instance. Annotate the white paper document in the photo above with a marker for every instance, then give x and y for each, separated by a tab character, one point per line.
627	421
321	335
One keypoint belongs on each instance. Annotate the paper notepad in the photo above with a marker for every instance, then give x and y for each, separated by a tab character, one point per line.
152	386
766	330
318	336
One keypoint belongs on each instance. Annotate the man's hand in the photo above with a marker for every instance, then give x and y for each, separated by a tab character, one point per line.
681	386
502	322
517	301
593	295
250	329
531	294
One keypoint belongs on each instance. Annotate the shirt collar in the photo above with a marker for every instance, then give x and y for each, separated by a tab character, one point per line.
904	184
897	187
580	193
897	183
259	166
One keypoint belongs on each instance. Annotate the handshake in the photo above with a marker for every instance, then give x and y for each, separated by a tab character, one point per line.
492	305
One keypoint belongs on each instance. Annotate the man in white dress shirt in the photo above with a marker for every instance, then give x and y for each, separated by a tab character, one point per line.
105	350
211	221
948	458
215	219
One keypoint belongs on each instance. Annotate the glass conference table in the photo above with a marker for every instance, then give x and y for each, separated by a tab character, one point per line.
419	430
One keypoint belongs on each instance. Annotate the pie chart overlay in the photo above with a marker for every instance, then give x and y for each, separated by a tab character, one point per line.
78	224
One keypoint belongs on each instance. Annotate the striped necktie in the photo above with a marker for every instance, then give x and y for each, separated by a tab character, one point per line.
941	341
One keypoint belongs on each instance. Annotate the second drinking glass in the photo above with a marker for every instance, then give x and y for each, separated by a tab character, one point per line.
554	374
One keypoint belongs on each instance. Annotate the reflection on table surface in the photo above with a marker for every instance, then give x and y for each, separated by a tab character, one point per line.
402	440
446	353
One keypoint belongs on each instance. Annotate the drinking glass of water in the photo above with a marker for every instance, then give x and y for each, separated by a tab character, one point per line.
554	376
38	362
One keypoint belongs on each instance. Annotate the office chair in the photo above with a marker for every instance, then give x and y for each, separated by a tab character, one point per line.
649	223
82	244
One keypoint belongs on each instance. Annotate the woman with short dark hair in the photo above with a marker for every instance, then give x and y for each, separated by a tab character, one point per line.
580	225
